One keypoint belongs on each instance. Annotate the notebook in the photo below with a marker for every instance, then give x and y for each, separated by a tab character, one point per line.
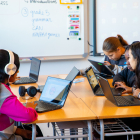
117	100
96	87
33	75
104	70
71	76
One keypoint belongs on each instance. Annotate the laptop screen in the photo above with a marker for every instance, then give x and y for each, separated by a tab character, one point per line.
101	68
55	90
92	79
34	69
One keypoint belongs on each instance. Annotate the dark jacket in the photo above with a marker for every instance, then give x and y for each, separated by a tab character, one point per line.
126	76
120	62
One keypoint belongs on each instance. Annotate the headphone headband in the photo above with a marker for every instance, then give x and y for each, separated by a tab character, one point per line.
10	68
11	55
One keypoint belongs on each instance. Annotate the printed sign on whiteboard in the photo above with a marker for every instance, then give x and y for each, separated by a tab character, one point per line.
73	22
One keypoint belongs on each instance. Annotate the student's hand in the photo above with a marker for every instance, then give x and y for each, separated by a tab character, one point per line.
13	78
119	83
107	63
31	104
11	81
124	86
136	92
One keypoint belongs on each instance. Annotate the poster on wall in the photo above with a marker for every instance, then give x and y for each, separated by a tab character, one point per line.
73	22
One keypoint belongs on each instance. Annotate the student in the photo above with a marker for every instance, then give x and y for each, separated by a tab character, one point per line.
126	78
114	49
11	109
134	59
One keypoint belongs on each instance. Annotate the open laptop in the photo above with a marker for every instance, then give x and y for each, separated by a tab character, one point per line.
96	87
71	76
104	70
53	95
117	100
33	75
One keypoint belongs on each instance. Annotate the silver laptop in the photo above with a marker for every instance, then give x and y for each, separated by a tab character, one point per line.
71	76
33	75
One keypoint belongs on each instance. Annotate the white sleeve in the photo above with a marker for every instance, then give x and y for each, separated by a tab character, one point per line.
103	59
118	69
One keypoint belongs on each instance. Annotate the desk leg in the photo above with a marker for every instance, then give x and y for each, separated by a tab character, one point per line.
33	131
90	130
101	129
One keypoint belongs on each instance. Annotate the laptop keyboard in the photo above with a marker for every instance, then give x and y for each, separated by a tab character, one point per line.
25	80
122	101
46	106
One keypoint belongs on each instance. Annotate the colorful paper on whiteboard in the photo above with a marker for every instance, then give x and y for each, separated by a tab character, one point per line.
73	22
70	1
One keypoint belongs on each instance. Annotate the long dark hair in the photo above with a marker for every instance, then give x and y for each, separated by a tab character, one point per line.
112	43
4	59
135	50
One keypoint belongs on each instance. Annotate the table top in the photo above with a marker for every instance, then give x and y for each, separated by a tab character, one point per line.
81	104
73	110
100	105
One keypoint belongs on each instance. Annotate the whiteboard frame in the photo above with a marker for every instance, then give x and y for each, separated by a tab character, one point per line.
94	20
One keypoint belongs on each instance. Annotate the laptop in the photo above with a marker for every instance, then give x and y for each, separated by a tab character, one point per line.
53	95
33	75
96	87
104	70
117	100
71	76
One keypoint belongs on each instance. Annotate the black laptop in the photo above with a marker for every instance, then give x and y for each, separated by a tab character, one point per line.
33	75
97	90
96	87
53	95
71	76
104	70
117	100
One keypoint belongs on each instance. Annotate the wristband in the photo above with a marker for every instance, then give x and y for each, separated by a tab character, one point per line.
133	88
139	95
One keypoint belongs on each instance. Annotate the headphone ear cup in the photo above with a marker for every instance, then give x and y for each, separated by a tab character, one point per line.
22	91
32	91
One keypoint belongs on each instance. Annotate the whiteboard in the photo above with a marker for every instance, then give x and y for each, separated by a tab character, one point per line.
117	17
39	28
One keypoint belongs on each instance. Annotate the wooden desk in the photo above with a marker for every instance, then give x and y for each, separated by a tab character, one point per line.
103	108
74	109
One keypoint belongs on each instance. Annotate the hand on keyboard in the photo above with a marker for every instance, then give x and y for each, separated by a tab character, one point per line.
123	86
31	104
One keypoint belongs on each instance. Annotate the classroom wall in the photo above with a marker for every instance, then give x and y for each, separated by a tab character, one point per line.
64	66
56	67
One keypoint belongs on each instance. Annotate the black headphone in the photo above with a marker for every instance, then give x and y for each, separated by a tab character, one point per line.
31	91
